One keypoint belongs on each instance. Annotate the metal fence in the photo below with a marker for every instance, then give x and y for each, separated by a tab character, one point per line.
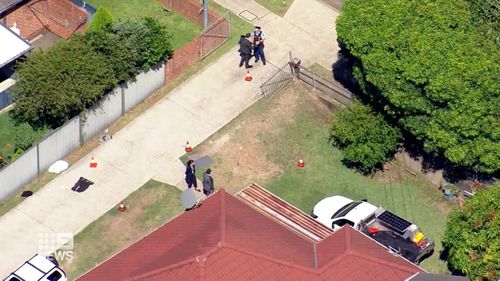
278	79
215	35
340	94
5	98
77	131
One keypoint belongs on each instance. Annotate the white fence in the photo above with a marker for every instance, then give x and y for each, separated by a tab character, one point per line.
77	131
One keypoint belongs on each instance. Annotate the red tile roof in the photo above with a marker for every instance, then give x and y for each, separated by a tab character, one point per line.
225	239
61	17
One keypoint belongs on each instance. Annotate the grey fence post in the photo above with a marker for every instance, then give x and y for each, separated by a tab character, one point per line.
80	128
38	159
122	90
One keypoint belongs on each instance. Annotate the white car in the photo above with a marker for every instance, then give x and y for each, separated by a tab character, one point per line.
336	211
38	268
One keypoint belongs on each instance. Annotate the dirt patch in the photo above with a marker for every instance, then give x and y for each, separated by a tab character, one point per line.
398	171
239	150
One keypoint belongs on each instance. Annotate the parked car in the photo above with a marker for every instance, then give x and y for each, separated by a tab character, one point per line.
38	268
392	231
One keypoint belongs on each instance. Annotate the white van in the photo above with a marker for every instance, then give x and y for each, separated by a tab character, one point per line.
38	268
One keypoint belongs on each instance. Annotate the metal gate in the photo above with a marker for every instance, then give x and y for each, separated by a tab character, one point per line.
279	78
215	35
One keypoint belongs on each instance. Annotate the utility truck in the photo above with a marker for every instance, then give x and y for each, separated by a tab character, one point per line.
390	230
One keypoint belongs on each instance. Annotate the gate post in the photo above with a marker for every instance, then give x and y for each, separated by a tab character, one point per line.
295	66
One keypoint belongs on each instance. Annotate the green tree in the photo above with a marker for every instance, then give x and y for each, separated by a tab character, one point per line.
55	85
148	37
119	54
426	65
159	41
365	137
101	20
471	239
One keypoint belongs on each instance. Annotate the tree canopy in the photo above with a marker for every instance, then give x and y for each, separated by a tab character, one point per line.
365	137
428	66
56	85
101	20
471	236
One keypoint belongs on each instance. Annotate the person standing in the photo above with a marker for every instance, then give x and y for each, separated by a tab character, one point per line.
191	175
245	50
258	41
208	183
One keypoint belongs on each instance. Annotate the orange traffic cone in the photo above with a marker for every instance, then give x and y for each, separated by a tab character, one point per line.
93	163
248	77
301	163
122	207
188	148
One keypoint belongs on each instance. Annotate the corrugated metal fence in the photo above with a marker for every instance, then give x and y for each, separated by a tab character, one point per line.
77	131
5	98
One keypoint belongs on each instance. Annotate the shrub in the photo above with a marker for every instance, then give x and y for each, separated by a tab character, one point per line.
56	85
365	137
25	136
101	20
471	240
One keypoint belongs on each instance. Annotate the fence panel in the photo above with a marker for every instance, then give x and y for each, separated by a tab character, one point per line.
18	173
103	114
150	81
59	143
215	35
5	96
144	85
5	99
327	87
277	80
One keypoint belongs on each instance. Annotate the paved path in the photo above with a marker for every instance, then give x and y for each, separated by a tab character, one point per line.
149	147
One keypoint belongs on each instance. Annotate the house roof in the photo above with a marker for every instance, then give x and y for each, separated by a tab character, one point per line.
12	47
226	239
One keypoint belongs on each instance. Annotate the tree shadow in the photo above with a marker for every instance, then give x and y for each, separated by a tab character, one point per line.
342	71
444	255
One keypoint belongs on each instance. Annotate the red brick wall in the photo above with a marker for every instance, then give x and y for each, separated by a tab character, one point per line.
59	16
183	58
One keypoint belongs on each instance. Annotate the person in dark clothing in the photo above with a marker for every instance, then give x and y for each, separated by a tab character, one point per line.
191	175
208	183
245	50
258	41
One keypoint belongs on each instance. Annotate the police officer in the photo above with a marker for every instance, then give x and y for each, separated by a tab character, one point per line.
258	41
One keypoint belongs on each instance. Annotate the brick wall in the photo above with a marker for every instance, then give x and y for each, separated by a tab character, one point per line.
183	58
61	17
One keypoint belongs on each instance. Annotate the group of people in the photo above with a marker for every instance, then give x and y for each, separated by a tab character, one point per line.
207	180
252	44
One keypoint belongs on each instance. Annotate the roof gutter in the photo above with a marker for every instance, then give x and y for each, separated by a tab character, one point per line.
11	7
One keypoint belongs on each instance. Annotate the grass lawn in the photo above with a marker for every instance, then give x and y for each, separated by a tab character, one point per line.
181	29
278	7
147	208
7	134
264	143
321	71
